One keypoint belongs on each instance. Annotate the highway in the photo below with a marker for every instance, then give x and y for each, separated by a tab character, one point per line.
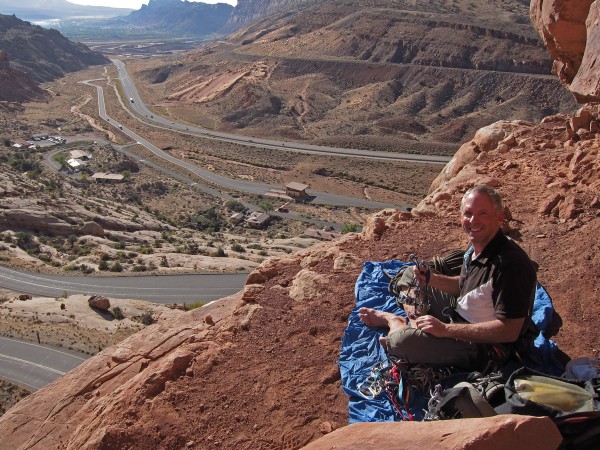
32	365
163	289
230	183
150	117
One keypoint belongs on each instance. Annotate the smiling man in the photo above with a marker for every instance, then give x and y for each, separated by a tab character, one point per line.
495	292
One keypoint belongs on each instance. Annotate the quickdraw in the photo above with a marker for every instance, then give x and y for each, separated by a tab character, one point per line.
388	376
416	294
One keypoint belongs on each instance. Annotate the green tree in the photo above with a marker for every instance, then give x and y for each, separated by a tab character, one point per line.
235	205
266	206
61	159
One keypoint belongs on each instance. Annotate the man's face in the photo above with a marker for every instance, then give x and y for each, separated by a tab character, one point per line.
480	220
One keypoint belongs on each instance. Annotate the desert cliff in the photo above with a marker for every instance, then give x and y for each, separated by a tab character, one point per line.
259	370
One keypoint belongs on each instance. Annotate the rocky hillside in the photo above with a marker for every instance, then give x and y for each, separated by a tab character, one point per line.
377	74
180	17
15	86
247	11
44	54
259	370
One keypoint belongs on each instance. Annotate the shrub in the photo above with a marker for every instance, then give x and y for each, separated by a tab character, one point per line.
117	313
139	268
235	205
103	265
116	267
193	305
147	319
238	248
219	253
349	228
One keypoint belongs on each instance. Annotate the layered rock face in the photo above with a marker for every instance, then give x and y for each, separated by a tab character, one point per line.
571	31
247	11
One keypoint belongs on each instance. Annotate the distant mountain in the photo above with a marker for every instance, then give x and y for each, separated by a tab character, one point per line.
181	17
38	10
40	53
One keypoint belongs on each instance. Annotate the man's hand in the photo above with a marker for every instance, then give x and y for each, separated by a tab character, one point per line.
495	331
431	325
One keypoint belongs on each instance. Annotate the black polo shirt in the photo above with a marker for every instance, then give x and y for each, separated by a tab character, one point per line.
500	283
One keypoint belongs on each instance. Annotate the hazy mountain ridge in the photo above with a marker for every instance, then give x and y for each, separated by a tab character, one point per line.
35	10
44	54
181	17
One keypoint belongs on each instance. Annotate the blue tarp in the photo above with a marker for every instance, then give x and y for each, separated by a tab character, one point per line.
361	349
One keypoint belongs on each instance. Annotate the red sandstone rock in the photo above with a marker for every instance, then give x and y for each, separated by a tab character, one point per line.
506	431
570	31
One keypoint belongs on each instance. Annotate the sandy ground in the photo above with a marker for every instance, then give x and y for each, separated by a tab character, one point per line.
70	323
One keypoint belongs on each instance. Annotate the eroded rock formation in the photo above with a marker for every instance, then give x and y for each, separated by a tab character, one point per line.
571	31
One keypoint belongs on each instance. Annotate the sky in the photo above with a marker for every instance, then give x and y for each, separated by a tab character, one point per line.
134	4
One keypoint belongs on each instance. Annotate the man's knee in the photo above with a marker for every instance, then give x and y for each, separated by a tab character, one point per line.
407	344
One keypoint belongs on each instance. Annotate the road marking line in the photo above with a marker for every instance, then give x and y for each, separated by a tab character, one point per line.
29	363
33	344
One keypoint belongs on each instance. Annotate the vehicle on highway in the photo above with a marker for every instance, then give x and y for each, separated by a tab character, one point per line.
131	99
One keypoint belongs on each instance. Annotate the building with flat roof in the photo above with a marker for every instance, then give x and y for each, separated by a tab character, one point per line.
102	177
75	164
297	191
80	154
257	219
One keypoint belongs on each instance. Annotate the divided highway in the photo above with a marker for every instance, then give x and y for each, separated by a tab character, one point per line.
138	106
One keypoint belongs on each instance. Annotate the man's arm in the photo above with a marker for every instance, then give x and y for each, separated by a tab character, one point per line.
443	283
492	332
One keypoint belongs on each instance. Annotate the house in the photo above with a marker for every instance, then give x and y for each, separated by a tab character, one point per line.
80	154
257	219
19	143
75	164
236	218
102	177
297	191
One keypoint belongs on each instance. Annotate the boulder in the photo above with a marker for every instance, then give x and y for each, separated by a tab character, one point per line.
503	431
92	229
100	302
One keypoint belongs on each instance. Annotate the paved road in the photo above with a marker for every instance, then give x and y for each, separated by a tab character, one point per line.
234	184
33	365
150	117
163	289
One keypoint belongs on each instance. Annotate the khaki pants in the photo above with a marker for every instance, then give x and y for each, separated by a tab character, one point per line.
416	347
